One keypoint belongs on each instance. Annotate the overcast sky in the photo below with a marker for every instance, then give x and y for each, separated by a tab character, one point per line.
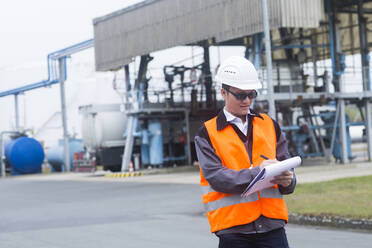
29	30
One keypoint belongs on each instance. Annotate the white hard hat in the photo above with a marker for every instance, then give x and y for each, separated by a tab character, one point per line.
238	72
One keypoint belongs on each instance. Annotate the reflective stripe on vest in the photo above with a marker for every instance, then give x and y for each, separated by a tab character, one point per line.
207	189
270	193
229	201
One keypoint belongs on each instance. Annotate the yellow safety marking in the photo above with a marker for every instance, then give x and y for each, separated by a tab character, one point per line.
124	174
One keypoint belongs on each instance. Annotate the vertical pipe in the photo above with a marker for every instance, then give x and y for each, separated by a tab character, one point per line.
270	90
257	52
363	47
365	74
188	137
331	37
127	83
344	144
344	154
16	107
334	132
335	47
314	59
207	75
129	140
332	42
62	78
351	37
369	128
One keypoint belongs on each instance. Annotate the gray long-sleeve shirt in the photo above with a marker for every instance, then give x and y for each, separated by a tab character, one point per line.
230	181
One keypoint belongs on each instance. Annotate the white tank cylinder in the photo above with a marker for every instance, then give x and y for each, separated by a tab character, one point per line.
103	129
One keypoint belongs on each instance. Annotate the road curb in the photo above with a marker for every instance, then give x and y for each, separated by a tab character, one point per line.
331	221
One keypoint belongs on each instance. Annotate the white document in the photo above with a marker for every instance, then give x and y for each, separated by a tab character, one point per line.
267	174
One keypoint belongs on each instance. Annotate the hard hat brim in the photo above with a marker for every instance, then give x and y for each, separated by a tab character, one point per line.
247	85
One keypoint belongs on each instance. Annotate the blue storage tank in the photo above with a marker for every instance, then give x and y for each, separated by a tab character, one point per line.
156	143
55	154
25	155
152	144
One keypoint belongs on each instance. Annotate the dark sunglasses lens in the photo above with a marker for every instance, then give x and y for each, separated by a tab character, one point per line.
241	96
251	95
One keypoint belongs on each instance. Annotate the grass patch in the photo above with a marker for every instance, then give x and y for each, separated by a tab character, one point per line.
347	197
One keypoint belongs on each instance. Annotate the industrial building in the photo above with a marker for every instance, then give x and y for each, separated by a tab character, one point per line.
301	48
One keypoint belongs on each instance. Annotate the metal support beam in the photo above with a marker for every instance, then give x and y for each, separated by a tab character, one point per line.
364	51
62	78
270	88
132	121
368	127
333	43
127	82
129	141
344	154
364	48
16	108
334	132
322	144
344	144
314	57
206	68
257	50
354	11
299	46
188	137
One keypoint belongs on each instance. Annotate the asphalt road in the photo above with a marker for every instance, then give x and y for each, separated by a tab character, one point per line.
68	212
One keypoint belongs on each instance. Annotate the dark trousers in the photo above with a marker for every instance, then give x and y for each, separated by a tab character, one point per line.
275	238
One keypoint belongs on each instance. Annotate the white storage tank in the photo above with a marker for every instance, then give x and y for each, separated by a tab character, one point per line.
102	126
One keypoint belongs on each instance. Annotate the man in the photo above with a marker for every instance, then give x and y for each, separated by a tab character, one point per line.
231	150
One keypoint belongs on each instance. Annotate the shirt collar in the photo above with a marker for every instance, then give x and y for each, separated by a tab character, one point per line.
223	120
230	117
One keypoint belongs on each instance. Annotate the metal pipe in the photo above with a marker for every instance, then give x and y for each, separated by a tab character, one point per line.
129	140
368	127
51	62
62	68
188	136
292	46
127	82
345	155
344	158
332	39
365	74
257	52
270	89
319	133
16	108
314	58
334	132
207	75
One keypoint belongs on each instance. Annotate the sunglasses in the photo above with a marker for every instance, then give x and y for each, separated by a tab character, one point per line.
241	96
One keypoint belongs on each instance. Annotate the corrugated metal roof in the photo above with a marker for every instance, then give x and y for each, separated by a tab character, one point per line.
154	25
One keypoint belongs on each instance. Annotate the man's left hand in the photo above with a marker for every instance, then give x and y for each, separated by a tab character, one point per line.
284	179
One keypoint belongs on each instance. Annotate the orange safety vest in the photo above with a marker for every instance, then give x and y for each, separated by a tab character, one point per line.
228	210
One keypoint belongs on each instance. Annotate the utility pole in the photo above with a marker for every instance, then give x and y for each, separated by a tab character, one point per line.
62	78
270	88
